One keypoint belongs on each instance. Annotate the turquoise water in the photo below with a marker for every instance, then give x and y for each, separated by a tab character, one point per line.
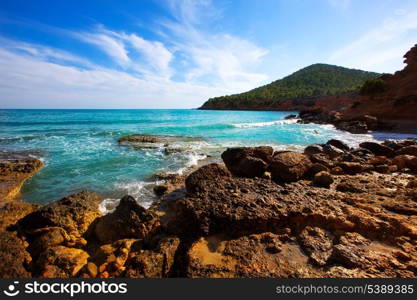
80	148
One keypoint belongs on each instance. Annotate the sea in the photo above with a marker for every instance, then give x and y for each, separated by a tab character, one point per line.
80	149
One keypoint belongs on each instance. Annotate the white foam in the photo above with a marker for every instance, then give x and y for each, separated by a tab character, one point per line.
263	124
140	190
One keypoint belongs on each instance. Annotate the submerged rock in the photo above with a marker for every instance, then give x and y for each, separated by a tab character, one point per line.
141	138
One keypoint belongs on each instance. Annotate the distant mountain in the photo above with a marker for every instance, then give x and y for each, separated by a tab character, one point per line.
309	83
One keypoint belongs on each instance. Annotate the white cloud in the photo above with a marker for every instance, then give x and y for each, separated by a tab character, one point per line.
29	81
111	46
203	64
382	48
219	59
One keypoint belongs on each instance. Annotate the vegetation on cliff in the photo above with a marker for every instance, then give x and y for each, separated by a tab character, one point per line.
313	81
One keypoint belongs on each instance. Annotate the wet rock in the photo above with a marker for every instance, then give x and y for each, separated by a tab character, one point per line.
129	220
199	181
338	144
313	149
140	138
323	179
160	189
74	213
289	166
249	161
14	172
378	149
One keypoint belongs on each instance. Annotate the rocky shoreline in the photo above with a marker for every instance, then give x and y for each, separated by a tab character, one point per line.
331	211
15	169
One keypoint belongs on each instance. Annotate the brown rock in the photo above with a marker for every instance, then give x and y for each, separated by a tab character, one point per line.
60	261
14	172
198	181
378	149
14	257
248	161
351	168
338	144
129	220
289	166
317	243
74	213
405	161
141	138
408	150
323	179
313	149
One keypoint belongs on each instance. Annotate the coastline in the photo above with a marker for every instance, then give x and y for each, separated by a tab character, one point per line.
333	211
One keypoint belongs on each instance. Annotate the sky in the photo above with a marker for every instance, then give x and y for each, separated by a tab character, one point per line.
179	53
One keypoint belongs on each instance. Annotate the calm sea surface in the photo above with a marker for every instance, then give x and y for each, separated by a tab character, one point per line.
80	148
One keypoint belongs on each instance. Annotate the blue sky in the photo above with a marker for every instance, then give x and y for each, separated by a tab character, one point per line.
178	53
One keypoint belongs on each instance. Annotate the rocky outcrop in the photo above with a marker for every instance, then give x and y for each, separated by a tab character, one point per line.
327	213
15	169
74	214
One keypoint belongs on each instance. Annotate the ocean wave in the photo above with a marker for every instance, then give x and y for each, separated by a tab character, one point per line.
263	124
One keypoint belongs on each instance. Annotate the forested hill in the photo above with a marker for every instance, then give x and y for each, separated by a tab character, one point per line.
313	81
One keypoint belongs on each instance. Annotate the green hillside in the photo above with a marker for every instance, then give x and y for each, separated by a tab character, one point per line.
314	80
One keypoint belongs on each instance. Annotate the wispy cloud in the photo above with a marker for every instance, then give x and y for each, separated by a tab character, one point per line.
220	59
182	69
382	48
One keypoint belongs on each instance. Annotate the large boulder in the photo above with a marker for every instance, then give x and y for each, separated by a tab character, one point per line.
199	180
377	149
249	161
74	213
129	220
289	166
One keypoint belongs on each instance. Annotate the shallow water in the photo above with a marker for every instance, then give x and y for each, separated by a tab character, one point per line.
80	148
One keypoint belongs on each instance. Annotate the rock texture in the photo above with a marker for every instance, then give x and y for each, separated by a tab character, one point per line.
15	169
319	214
